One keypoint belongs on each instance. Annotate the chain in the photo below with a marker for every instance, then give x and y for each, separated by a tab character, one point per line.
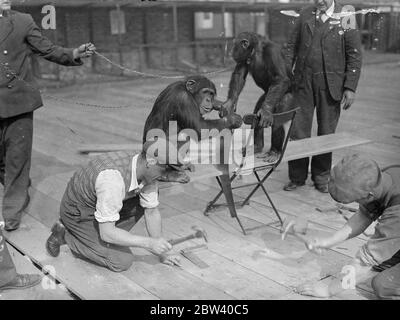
8	70
160	76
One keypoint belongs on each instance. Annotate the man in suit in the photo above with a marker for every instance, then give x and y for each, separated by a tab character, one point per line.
325	56
9	278
19	97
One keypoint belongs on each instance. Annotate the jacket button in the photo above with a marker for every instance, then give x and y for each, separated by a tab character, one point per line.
5	52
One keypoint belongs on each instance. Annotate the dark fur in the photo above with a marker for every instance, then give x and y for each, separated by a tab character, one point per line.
272	75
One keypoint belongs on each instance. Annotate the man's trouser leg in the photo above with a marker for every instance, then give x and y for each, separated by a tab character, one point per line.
15	163
304	99
83	237
7	267
328	112
387	283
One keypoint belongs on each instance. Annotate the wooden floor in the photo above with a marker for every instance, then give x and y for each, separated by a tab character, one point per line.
257	266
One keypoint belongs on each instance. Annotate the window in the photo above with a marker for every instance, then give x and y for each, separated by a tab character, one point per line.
117	22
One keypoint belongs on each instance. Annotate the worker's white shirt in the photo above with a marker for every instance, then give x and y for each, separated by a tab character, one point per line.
110	192
328	13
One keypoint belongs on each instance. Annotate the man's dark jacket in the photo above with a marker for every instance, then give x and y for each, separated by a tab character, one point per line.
19	38
341	49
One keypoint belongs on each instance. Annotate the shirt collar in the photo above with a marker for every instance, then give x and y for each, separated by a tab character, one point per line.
134	183
330	10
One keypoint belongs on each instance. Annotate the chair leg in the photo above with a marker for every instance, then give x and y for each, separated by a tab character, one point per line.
227	189
211	204
261	183
246	201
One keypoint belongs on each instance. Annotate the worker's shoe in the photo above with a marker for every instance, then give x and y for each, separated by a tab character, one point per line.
56	239
11	225
22	281
291	186
322	188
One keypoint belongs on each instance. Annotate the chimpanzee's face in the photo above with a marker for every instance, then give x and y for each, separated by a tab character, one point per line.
5	4
205	99
241	50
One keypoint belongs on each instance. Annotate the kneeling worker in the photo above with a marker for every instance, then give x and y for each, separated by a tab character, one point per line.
356	179
104	200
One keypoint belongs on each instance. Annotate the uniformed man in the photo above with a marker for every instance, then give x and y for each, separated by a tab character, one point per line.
325	52
105	199
19	97
9	278
358	179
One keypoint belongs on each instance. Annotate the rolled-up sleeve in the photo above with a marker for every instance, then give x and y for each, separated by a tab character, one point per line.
110	192
149	196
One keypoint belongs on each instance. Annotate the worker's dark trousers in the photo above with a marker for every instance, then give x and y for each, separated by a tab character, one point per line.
386	284
83	237
15	162
313	94
7	267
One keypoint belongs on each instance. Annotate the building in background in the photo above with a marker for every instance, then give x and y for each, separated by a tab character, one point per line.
184	34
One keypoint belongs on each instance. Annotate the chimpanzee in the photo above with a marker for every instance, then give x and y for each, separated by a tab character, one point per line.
185	102
265	62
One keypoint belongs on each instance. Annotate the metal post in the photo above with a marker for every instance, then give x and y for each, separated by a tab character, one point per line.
121	59
175	22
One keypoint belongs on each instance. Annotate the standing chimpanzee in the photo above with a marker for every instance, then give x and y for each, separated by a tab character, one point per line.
265	62
186	102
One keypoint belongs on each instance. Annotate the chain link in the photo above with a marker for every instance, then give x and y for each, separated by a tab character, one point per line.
8	70
151	75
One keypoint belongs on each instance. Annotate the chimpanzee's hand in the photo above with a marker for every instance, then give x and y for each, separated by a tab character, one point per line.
226	108
84	51
233	121
266	118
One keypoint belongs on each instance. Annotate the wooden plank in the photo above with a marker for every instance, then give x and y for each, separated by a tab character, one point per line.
163	278
84	279
47	290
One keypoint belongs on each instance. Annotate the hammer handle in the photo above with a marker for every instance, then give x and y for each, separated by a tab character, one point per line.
183	239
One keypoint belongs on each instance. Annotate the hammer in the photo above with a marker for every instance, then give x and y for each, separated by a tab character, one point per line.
296	227
200	233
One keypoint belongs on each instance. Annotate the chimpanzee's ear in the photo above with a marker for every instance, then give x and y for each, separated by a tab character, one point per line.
245	43
191	86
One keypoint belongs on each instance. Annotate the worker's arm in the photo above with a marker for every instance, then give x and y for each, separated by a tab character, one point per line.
356	225
111	234
110	192
355	273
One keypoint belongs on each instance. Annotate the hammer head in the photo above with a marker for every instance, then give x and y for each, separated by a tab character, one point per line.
298	225
200	233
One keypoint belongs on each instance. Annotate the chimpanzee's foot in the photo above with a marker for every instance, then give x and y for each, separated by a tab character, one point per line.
189	167
258	149
272	156
175	176
269	156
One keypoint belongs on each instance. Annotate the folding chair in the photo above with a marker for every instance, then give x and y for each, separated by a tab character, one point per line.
284	119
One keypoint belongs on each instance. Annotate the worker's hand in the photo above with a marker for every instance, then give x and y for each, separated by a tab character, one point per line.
171	259
84	51
317	245
159	246
348	99
266	118
316	289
